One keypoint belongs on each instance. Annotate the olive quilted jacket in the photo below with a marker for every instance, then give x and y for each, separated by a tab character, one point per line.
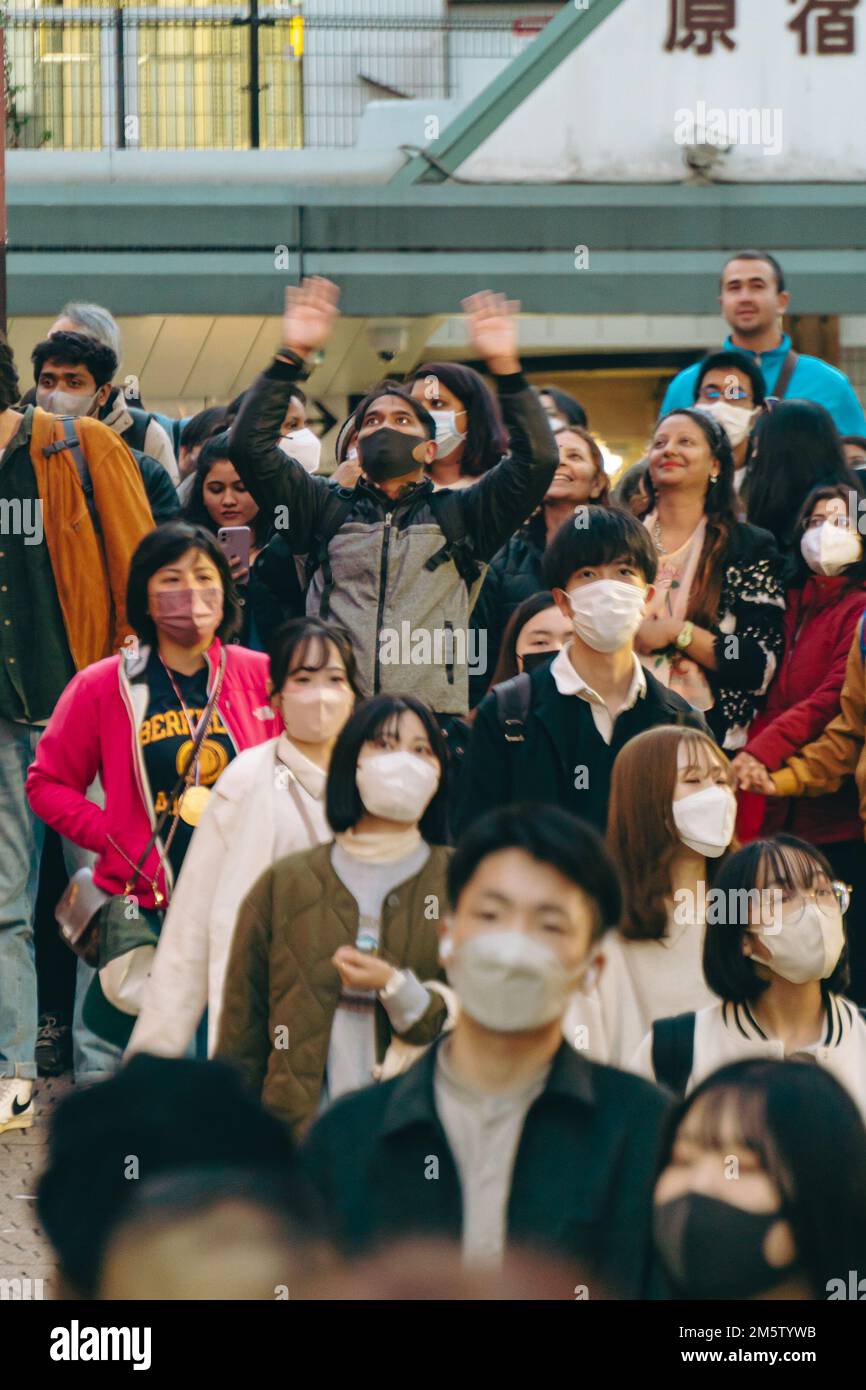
281	988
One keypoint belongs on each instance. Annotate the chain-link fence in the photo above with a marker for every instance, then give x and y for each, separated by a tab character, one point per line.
230	77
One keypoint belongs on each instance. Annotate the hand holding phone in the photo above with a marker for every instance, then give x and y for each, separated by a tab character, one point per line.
236	542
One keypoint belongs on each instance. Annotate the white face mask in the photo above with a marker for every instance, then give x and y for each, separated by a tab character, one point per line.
607	613
735	420
447	434
397	786
65	402
506	981
828	549
808	949
705	820
557	422
305	447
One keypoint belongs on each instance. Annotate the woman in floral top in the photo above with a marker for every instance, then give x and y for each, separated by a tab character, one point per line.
714	629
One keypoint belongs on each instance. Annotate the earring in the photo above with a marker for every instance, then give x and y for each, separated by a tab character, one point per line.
714	480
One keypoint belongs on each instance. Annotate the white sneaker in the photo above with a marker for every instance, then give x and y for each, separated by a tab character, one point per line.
16	1103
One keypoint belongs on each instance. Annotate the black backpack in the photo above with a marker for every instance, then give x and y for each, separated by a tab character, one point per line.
448	514
512	705
674	1050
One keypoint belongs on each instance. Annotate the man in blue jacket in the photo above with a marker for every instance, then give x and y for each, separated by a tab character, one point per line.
753	299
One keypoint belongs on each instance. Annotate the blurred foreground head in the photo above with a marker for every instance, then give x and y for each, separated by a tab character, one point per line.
211	1233
433	1270
155	1116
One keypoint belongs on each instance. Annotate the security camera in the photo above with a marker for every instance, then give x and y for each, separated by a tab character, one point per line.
703	158
387	340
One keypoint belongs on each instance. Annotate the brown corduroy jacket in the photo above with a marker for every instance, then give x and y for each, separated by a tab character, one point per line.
281	988
90	572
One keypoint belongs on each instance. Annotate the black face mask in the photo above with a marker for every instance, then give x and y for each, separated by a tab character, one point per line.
532	660
711	1249
388	453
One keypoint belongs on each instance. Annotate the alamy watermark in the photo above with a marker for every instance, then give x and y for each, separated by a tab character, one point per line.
760	126
22	518
21	1290
439	646
736	907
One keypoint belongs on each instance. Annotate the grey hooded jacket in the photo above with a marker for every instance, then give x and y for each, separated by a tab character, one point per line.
409	623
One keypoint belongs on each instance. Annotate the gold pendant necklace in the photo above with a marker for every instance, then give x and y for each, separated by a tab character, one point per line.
193	803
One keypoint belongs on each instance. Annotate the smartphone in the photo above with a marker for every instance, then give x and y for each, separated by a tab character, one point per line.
235	541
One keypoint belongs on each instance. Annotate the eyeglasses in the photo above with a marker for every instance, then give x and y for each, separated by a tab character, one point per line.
712	393
835	898
835	519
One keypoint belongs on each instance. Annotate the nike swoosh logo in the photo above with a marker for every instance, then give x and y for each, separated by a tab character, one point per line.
19	1109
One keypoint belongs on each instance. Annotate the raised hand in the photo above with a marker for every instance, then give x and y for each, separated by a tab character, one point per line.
491	320
309	314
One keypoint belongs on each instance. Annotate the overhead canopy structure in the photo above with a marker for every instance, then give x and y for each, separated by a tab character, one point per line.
413	251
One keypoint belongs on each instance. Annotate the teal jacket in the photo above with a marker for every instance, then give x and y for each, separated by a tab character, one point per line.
813	380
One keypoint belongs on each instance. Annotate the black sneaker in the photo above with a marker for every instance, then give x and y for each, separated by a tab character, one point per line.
53	1045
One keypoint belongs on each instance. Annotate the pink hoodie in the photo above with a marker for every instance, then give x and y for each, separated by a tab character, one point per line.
94	729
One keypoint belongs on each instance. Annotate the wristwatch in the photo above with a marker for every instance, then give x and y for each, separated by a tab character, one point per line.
294	359
396	982
687	632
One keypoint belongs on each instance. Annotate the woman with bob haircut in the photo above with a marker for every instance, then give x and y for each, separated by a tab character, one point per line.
332	944
268	803
713	630
132	719
776	959
794	1223
670	823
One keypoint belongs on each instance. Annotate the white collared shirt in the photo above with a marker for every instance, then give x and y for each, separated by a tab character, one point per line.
568	682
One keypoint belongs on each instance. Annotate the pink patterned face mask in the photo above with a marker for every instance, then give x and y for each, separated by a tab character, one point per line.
188	616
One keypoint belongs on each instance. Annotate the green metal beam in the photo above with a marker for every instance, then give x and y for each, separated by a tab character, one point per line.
417	283
574	23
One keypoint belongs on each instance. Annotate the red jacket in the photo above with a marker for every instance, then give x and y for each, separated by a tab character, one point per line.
94	730
820	621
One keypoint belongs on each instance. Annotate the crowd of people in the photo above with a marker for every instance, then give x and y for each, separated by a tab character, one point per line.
462	858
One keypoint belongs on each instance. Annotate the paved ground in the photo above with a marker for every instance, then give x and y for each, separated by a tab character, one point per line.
24	1251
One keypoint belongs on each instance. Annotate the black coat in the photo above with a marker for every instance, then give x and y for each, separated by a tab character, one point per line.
514	575
582	1182
161	491
272	594
563	760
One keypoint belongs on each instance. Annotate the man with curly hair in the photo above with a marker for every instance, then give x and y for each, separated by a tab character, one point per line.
71	515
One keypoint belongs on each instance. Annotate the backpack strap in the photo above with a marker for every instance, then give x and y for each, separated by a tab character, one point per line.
789	366
674	1051
318	556
448	512
72	443
512	706
136	435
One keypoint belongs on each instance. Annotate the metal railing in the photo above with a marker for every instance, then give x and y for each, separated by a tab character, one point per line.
229	76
